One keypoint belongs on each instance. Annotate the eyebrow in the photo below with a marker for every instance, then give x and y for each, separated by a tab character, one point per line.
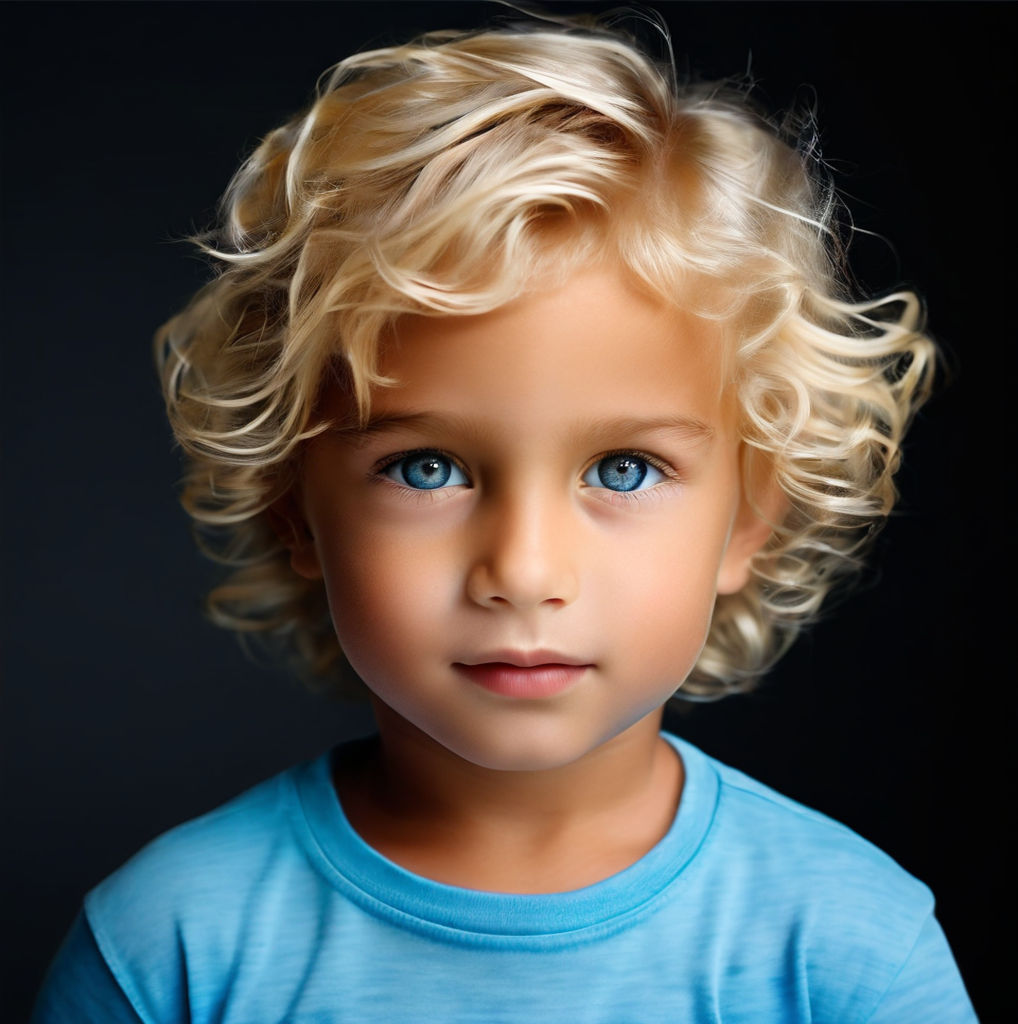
688	429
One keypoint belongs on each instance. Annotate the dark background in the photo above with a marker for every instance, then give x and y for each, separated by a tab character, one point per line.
124	713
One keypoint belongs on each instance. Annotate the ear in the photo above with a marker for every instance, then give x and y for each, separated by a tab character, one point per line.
286	517
762	507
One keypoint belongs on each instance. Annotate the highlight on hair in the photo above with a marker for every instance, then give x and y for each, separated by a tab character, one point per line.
447	176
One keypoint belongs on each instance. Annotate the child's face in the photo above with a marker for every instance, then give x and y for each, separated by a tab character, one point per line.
523	549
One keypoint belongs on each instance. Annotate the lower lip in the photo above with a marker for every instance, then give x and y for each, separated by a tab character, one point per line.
523	683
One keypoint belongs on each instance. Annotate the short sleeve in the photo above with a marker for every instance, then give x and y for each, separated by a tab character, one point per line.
79	987
928	989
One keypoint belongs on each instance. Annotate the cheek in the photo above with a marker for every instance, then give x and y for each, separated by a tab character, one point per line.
667	615
386	597
667	594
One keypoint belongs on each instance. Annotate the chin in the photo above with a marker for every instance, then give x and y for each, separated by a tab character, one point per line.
528	748
521	761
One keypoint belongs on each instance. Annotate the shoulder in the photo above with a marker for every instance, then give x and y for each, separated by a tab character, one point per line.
838	913
810	851
191	859
177	910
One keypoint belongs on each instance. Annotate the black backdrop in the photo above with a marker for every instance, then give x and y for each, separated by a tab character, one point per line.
124	713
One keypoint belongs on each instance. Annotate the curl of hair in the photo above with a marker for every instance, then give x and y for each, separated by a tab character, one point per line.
445	177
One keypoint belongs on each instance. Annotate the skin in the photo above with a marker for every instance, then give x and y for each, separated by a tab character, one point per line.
526	550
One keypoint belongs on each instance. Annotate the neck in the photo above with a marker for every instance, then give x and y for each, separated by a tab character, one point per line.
448	819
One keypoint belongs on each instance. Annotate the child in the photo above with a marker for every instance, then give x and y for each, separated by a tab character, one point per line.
531	389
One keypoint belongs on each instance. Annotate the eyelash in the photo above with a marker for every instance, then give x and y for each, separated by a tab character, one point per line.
625	497
379	473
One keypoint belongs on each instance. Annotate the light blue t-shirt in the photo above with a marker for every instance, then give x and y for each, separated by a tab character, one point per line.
272	909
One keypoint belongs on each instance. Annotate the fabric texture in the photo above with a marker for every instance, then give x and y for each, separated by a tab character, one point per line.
271	908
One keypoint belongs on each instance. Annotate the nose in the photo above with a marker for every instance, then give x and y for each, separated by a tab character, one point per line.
525	554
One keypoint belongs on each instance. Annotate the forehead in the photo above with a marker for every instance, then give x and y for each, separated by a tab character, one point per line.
596	345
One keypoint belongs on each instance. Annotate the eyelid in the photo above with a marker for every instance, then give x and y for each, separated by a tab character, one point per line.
668	480
378	469
652	460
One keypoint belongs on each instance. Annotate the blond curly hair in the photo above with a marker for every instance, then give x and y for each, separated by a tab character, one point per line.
445	177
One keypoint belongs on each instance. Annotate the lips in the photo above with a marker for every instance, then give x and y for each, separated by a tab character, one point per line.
525	675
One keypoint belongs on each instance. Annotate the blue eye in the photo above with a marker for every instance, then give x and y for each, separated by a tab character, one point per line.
624	471
425	471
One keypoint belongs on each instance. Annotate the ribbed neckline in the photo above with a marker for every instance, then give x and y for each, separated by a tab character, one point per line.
493	919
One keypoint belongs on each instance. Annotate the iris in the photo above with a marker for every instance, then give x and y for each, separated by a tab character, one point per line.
621	472
425	471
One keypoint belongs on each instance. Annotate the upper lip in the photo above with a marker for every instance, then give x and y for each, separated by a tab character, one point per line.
526	659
